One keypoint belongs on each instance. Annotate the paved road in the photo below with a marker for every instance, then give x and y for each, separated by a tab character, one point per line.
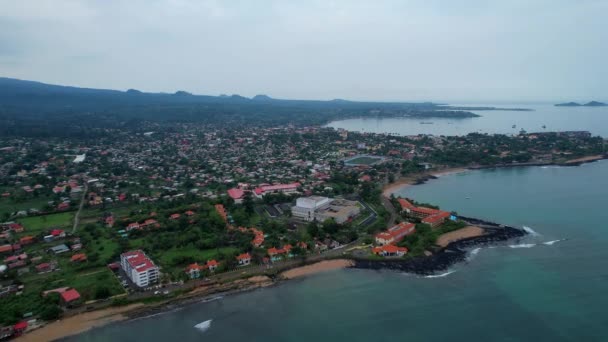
391	209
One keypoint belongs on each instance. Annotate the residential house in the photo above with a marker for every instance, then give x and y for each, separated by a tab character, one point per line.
244	259
395	233
389	251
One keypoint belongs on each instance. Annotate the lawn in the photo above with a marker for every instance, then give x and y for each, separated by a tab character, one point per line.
35	224
7	205
199	255
87	282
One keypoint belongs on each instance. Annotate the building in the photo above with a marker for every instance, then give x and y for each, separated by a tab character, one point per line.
237	195
277	254
272	189
59	249
70	298
139	268
389	251
306	206
244	259
318	208
436	219
395	233
194	270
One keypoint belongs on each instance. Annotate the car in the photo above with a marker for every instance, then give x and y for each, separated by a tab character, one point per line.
156	292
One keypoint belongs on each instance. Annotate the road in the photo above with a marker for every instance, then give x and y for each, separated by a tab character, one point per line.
82	200
391	209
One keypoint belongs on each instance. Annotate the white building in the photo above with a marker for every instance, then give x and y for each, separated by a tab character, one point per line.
306	206
139	268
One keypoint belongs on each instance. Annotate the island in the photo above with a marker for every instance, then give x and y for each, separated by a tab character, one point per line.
576	104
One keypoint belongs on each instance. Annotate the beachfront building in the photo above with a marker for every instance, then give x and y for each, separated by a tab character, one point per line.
430	216
277	254
264	190
244	259
389	251
194	270
139	268
318	208
395	233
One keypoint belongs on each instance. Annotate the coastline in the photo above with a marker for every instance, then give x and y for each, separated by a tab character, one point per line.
441	259
422	177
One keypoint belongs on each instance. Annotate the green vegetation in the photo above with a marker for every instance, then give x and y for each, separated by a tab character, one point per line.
425	236
35	224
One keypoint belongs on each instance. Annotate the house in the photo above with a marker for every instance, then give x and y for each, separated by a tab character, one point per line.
19	328
189	213
277	254
63	206
26	240
57	233
390	251
237	195
436	219
212	265
131	226
59	249
15	227
174	216
395	233
6	249
80	257
244	259
44	267
150	223
194	270
139	268
258	238
70	298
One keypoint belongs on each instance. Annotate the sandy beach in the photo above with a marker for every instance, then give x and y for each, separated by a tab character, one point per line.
466	232
585	159
404	182
78	324
321	266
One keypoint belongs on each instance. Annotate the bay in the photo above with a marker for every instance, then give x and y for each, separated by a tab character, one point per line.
553	287
592	119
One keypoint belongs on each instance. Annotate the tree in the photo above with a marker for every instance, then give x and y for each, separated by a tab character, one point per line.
248	203
102	292
50	312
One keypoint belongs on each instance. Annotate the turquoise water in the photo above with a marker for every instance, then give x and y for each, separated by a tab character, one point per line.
537	292
593	119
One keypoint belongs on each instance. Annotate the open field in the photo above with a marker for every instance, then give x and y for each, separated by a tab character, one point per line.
36	224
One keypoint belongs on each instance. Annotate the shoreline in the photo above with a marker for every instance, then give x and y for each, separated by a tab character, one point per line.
422	177
441	259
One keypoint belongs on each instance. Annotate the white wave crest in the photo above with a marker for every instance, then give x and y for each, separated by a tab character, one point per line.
439	275
523	245
530	231
203	326
474	252
552	242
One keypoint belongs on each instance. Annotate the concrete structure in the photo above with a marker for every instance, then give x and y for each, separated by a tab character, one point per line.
271	189
395	233
318	208
139	268
306	206
389	251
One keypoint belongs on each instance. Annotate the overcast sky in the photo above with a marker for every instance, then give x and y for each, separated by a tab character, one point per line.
458	51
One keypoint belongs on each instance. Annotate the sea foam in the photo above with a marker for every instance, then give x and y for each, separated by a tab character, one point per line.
439	275
552	242
530	231
523	245
203	326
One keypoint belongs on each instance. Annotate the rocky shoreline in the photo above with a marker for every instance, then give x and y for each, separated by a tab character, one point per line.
445	258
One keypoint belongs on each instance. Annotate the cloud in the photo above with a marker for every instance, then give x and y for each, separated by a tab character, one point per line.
381	50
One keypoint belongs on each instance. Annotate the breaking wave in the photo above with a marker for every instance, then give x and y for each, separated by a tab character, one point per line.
552	242
523	245
530	231
203	326
439	275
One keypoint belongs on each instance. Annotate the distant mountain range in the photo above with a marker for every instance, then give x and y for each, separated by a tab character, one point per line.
588	104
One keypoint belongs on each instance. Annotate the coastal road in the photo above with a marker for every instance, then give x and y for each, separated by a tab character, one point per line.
386	202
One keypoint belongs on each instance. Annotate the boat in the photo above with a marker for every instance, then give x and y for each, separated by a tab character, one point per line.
544	126
426	123
513	126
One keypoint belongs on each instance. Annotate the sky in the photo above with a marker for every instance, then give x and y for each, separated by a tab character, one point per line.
467	51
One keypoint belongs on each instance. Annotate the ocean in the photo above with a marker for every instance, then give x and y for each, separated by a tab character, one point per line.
550	286
592	119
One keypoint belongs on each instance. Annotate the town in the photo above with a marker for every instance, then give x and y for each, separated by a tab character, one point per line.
145	213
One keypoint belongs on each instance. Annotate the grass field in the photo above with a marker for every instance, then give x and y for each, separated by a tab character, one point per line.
35	224
7	205
200	255
87	282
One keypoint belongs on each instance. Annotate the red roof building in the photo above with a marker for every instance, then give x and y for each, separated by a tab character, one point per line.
237	195
175	216
220	210
436	219
244	259
70	296
389	250
414	211
284	188
395	233
79	257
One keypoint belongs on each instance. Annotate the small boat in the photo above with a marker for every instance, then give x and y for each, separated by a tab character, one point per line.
467	197
513	126
544	126
202	326
426	123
